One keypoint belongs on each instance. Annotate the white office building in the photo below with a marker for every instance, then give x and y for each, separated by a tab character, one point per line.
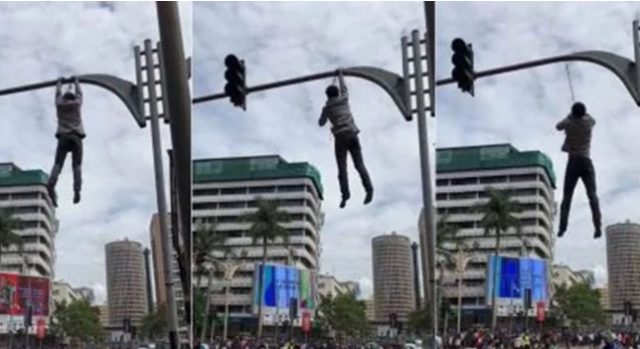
23	192
226	189
463	178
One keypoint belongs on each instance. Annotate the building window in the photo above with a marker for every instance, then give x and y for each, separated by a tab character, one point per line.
261	190
291	188
233	191
206	192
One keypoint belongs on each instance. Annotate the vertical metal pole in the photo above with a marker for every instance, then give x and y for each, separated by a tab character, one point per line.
405	75
427	183
29	305
430	38
636	51
167	255
178	100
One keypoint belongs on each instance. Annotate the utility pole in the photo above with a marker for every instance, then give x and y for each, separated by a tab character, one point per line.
167	250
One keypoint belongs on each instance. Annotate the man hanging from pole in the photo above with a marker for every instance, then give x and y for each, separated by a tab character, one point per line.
70	134
578	127
345	132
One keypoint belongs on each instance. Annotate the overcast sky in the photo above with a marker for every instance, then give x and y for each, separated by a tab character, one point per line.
285	40
522	108
41	41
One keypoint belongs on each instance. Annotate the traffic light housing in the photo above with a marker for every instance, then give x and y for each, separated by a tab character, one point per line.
236	87
393	320
28	318
527	299
628	308
462	59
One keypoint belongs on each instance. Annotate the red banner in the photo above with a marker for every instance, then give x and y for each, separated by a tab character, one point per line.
541	311
41	328
306	322
17	291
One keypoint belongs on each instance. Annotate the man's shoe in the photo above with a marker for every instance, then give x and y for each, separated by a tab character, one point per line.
76	197
52	195
561	232
598	233
369	197
343	203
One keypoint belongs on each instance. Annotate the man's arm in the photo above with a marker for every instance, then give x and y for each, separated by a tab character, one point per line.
59	88
562	125
78	89
344	92
323	118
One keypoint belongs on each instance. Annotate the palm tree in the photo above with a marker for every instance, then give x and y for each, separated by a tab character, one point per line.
206	241
209	248
266	228
445	232
498	218
8	226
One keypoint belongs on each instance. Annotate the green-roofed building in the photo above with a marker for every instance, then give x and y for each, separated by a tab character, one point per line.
24	194
463	177
224	189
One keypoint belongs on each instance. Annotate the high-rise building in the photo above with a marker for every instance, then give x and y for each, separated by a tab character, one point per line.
126	286
159	272
86	293
329	285
226	189
62	292
393	291
604	297
369	310
104	315
464	176
24	193
623	265
588	276
563	276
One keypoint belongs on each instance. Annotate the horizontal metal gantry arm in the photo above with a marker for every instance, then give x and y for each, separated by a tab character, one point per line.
125	90
390	82
622	67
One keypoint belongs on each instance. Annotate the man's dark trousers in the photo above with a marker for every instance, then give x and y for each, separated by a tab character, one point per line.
579	167
68	143
348	142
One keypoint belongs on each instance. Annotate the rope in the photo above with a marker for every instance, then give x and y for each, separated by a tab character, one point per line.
573	97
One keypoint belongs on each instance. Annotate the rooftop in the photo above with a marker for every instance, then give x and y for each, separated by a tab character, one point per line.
11	175
253	168
490	157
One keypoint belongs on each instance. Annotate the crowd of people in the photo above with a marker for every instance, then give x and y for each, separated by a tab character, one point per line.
472	339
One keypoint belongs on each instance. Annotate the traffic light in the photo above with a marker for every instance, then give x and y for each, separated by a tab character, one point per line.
293	308
627	308
236	87
393	320
28	319
527	298
462	60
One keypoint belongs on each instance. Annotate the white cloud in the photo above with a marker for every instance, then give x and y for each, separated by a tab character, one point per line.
281	40
41	41
523	107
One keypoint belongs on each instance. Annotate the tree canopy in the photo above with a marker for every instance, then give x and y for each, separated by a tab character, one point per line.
344	313
579	304
77	320
154	324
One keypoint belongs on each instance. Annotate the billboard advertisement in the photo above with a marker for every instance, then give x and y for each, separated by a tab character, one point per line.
281	284
514	276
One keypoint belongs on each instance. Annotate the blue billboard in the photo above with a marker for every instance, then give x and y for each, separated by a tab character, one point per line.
514	276
281	285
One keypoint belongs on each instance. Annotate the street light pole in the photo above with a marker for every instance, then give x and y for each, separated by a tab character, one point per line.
462	259
161	197
178	101
230	269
